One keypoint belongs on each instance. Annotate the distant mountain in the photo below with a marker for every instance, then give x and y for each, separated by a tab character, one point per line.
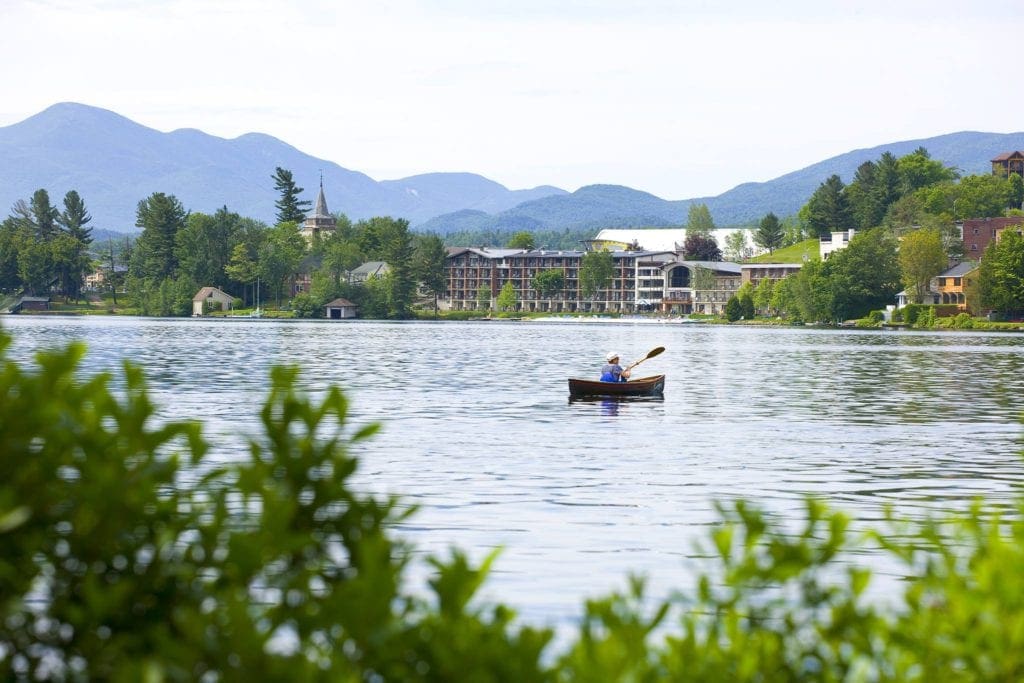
605	206
114	163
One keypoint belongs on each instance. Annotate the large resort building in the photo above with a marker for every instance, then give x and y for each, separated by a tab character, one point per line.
641	281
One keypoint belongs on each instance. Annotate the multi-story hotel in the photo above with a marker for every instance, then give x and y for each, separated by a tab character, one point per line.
641	281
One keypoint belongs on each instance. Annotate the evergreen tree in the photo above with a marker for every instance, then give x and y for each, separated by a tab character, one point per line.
160	216
44	215
769	233
828	209
290	209
75	217
430	258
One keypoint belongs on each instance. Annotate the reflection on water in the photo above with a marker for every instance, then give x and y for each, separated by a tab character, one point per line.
479	434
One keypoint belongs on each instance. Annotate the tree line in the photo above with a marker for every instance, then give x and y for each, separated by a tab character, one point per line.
179	251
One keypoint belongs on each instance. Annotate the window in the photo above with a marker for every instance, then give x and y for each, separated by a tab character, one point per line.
974	247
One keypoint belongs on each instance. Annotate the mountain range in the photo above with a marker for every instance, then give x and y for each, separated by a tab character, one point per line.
114	163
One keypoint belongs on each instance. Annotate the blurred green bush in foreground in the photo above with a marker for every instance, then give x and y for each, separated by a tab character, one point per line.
112	566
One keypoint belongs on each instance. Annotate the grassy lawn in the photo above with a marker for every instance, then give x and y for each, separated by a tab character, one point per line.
791	254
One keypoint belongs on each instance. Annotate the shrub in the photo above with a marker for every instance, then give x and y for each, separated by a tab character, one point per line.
275	569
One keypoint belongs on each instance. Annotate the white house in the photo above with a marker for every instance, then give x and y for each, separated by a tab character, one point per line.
210	297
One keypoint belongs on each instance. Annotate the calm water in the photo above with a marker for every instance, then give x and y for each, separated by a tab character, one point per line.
480	435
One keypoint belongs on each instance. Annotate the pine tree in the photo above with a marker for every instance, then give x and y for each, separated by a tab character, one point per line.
289	207
74	218
769	233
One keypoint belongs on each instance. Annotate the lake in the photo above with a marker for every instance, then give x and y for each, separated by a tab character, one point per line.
479	433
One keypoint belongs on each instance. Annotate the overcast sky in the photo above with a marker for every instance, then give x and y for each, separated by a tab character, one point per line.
680	99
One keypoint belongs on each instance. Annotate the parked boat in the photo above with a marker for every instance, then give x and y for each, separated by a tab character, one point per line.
644	386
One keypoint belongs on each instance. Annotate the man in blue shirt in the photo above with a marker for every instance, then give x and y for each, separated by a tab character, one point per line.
612	371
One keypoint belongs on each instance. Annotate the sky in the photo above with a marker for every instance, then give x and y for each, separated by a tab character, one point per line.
680	99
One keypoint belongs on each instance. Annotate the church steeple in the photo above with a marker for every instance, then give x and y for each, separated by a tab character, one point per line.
321	203
320	220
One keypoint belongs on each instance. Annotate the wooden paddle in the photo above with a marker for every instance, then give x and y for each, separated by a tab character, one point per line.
650	354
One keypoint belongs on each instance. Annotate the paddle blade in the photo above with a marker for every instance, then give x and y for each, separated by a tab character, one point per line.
654	352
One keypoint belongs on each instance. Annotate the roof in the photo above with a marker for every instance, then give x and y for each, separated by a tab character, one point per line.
339	303
212	292
370	268
719	266
1006	155
960	269
487	252
320	209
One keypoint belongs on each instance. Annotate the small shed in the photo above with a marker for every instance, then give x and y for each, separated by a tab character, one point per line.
210	296
340	309
31	303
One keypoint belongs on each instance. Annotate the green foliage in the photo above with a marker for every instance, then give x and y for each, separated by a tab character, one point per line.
548	282
521	240
828	209
763	294
921	257
863	276
733	309
134	550
596	270
699	221
483	297
769	234
1001	275
507	299
163	297
700	247
962	321
290	209
160	216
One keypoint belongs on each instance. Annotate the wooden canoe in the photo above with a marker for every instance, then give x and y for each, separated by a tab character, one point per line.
644	386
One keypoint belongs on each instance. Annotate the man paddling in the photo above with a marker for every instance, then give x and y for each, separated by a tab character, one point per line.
612	371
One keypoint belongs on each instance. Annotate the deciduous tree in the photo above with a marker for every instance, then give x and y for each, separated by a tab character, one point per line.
700	247
522	240
548	282
1001	276
699	221
596	271
921	258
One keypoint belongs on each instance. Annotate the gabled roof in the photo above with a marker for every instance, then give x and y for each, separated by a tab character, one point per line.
340	303
1008	155
212	293
370	268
